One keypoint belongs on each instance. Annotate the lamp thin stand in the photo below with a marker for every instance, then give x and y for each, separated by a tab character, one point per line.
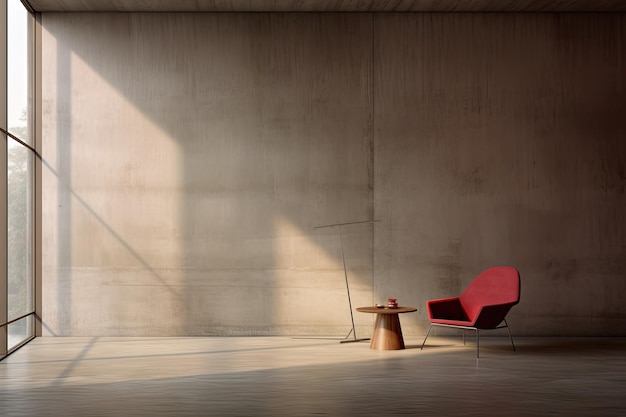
345	273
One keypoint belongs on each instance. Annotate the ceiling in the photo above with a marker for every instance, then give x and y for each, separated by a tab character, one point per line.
328	5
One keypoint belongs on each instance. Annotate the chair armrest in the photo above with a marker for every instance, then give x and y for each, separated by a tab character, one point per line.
491	316
446	309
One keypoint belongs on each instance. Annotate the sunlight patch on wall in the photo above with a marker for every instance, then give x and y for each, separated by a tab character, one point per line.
127	170
110	176
311	283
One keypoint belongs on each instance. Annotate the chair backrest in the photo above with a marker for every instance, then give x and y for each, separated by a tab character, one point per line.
498	285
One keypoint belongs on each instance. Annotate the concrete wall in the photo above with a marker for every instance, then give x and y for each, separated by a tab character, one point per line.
189	157
501	139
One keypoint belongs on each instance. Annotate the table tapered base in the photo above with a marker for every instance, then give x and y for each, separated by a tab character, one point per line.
387	333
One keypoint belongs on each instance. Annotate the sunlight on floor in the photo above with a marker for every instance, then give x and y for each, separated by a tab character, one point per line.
279	376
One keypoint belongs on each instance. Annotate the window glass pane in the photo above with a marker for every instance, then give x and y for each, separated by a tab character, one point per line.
20	331
19	229
19	71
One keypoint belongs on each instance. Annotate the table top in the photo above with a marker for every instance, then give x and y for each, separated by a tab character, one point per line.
386	310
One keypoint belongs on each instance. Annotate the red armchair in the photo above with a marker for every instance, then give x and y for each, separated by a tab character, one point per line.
483	305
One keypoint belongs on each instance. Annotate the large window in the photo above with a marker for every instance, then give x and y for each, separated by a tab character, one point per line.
17	286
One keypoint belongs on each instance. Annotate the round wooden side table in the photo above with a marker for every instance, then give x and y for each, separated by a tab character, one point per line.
387	330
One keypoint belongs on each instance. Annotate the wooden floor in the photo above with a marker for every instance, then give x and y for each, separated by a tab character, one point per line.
263	376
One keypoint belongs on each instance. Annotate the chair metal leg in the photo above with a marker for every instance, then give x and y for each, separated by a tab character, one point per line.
424	342
477	343
510	336
463	328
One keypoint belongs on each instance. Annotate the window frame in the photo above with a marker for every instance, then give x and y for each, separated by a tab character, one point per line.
33	44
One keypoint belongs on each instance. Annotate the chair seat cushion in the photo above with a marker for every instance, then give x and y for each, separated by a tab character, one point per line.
453	322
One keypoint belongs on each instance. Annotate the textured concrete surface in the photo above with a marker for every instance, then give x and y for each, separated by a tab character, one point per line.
279	376
189	159
189	156
501	140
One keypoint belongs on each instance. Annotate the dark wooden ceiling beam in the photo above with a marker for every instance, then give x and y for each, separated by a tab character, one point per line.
328	5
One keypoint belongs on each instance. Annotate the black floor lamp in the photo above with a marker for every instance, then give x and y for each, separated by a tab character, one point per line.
345	272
